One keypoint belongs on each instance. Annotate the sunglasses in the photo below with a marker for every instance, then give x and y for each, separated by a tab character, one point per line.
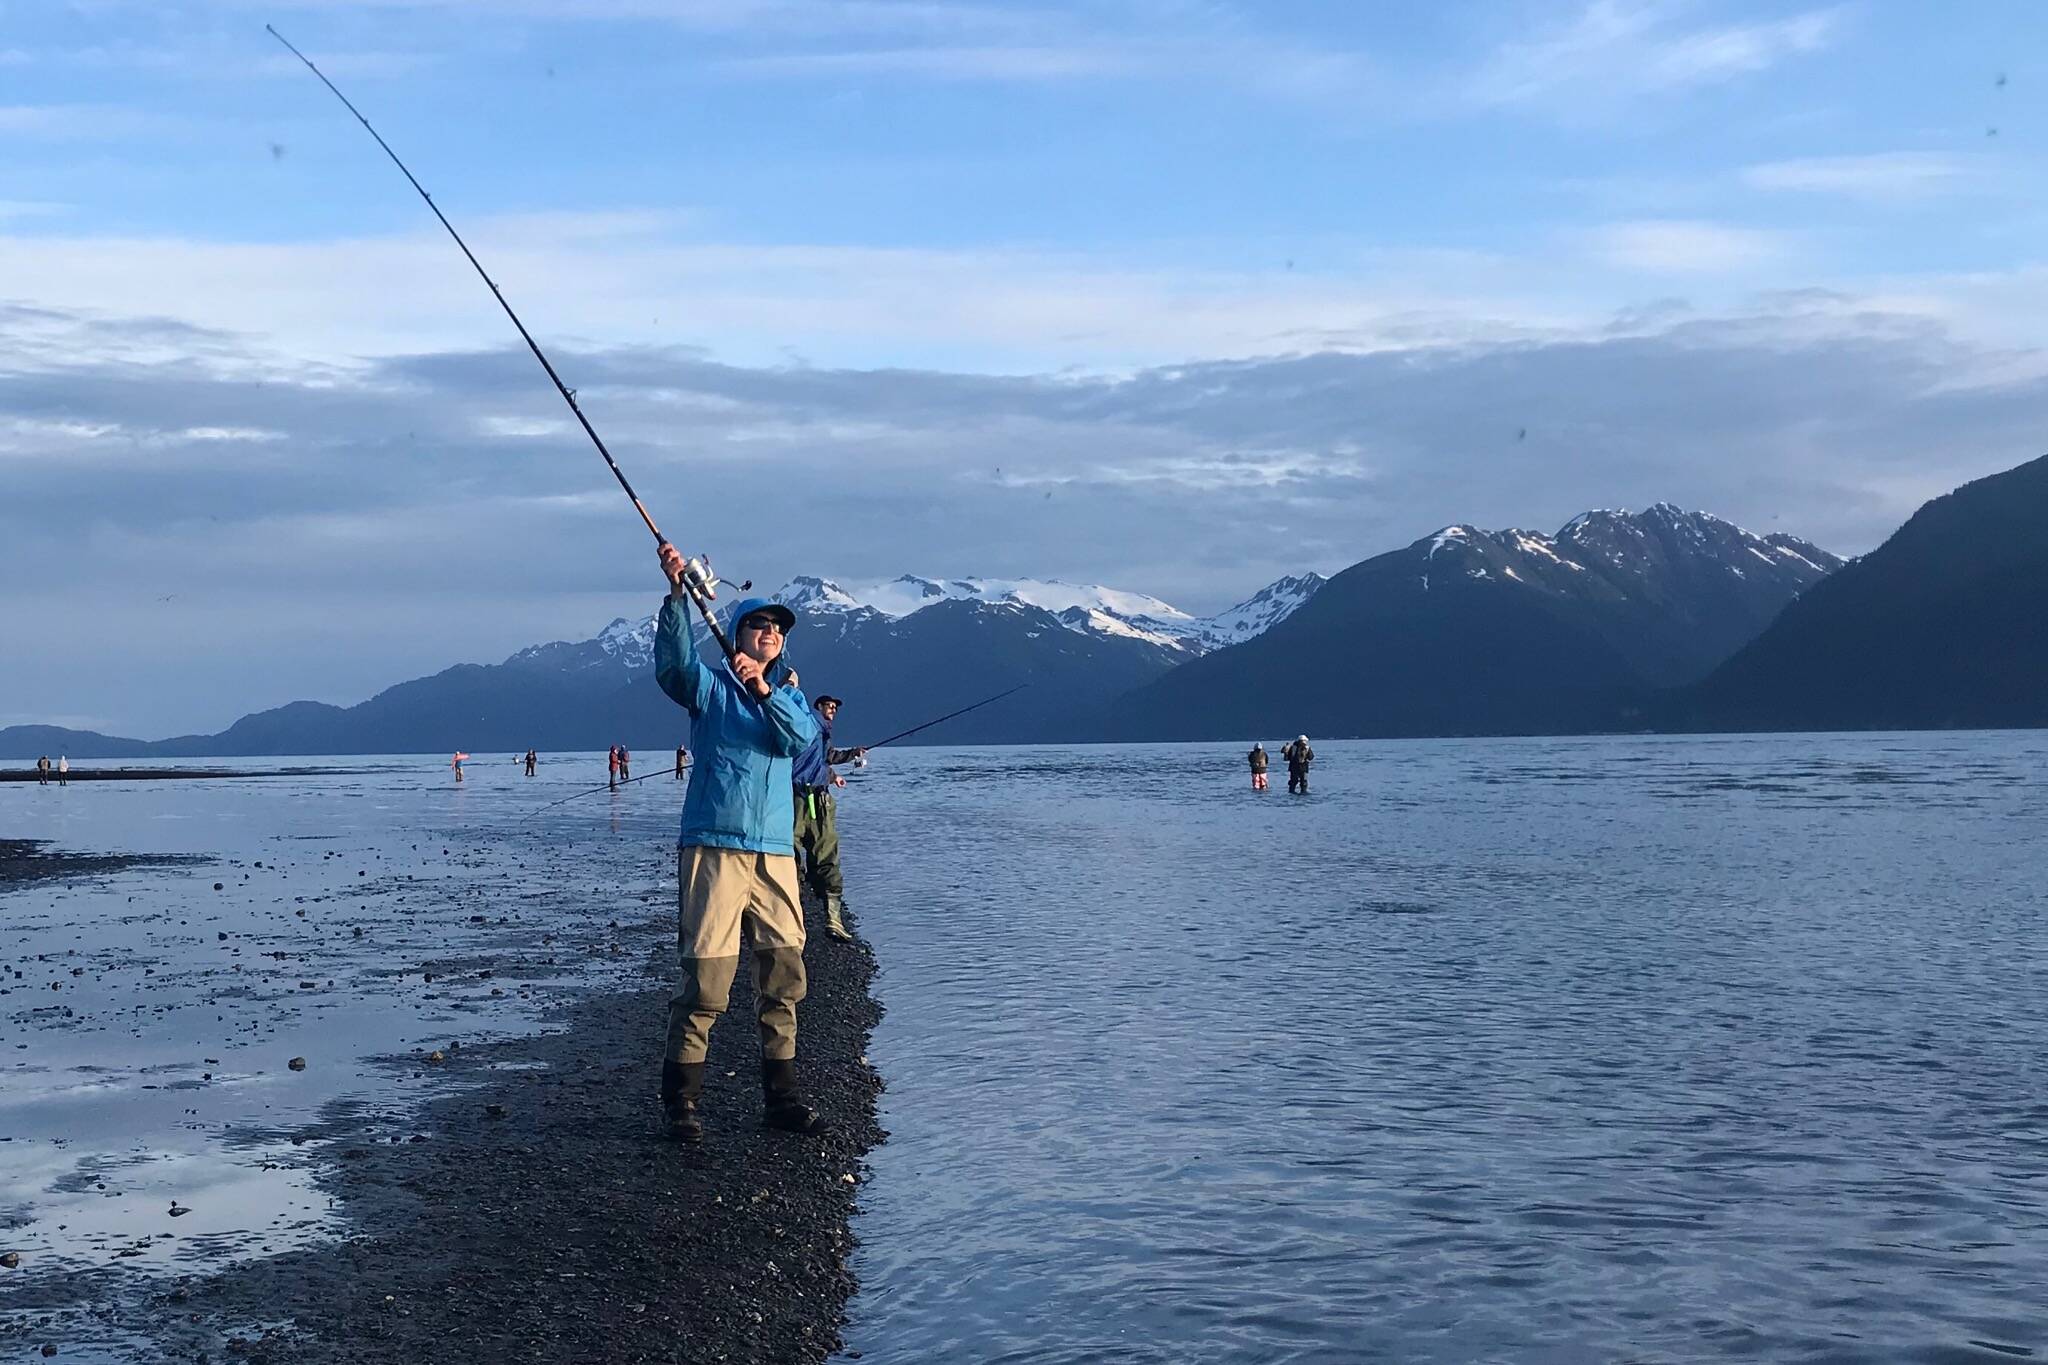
762	623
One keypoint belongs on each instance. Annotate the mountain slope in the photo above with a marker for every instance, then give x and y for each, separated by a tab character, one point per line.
1941	626
1477	632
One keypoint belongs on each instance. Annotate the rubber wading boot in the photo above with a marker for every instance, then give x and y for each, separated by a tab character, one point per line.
835	919
783	1106
681	1083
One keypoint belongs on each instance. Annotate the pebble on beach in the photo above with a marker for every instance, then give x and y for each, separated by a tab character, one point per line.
297	1064
10	1259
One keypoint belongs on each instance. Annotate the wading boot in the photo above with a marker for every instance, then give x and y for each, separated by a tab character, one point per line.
681	1083
835	919
783	1107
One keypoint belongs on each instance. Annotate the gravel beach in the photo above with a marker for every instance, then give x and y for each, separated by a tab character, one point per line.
528	1210
31	860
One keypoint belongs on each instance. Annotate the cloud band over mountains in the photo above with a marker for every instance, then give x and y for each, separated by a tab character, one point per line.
353	523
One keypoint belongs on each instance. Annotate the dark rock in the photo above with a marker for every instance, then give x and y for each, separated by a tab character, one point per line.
297	1063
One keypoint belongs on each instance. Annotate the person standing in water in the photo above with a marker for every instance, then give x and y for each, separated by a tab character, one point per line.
456	763
611	767
625	765
1298	756
682	761
43	771
735	858
63	770
817	828
1257	758
531	759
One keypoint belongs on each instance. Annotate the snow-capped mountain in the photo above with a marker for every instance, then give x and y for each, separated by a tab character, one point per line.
1474	631
1655	552
1084	607
1260	612
624	647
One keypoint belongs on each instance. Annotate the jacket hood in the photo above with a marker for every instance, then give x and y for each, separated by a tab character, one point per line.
747	605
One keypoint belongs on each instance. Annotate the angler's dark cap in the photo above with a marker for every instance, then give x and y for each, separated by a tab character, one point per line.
828	697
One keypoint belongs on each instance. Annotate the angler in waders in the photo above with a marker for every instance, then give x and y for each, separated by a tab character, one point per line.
1298	756
817	831
1257	758
735	859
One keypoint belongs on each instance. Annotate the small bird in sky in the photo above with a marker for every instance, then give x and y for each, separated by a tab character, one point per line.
277	151
2001	79
1521	433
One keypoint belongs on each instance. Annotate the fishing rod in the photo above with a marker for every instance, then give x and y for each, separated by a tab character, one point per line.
612	786
697	580
905	734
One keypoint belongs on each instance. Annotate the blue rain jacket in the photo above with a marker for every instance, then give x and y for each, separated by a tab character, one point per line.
740	786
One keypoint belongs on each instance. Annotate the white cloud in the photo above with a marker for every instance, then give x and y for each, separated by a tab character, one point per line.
1686	247
620	279
1879	176
1616	49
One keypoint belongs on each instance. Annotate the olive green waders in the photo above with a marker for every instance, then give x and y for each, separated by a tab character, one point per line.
817	839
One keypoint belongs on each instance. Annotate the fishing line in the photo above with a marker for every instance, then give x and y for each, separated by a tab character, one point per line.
609	787
698	581
905	734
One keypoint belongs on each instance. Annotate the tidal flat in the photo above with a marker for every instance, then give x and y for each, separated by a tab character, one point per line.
361	1067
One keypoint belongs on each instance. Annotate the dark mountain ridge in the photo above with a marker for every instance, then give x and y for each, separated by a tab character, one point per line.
1943	626
1478	632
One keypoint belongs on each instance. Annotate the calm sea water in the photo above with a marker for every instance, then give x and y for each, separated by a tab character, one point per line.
1545	1050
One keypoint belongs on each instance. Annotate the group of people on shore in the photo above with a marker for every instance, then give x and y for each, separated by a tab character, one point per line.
63	770
1297	756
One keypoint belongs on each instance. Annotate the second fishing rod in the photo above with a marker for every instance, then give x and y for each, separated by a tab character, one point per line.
697	579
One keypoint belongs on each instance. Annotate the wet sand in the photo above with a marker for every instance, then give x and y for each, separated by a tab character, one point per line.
29	860
168	774
530	1210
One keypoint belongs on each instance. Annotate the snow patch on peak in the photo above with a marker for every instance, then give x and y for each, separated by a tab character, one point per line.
1095	621
1460	535
634	639
804	593
1260	612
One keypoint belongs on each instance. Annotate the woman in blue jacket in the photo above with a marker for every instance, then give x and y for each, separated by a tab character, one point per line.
735	860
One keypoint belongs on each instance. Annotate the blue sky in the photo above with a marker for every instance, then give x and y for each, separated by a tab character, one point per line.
1220	291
